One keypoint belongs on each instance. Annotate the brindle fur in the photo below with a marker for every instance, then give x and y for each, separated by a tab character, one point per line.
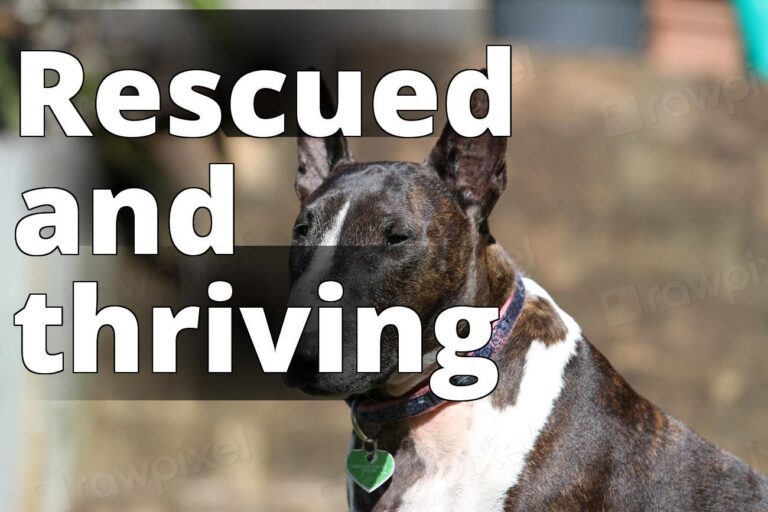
604	447
607	448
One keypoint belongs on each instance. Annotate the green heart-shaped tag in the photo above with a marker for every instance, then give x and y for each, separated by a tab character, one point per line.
370	475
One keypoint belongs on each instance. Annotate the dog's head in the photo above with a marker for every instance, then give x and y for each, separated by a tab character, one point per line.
392	233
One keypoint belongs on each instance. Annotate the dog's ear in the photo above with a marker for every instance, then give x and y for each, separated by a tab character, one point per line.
319	155
474	168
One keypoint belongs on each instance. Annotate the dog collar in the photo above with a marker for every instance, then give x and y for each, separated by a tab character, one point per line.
423	400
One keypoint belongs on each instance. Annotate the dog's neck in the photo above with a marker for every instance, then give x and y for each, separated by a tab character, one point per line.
497	276
493	275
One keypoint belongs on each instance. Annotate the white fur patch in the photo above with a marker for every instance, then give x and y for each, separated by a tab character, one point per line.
331	237
474	452
323	257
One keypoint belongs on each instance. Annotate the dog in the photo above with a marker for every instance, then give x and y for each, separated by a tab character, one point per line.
563	431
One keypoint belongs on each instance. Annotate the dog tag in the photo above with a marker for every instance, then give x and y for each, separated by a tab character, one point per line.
370	475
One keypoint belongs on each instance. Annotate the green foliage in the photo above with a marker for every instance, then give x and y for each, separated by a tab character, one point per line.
204	4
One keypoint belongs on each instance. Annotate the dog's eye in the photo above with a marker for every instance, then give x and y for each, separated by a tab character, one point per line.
395	238
301	230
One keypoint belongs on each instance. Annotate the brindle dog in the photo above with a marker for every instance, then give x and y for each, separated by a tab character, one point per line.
563	430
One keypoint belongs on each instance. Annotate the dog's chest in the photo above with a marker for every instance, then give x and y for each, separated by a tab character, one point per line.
470	455
468	462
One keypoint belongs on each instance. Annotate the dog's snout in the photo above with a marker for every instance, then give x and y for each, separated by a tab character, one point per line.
305	362
302	366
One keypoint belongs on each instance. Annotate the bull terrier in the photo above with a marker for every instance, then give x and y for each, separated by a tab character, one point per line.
563	431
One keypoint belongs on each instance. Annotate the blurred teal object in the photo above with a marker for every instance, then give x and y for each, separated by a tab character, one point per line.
753	15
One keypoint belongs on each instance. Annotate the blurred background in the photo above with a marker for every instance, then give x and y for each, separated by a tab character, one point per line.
638	196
